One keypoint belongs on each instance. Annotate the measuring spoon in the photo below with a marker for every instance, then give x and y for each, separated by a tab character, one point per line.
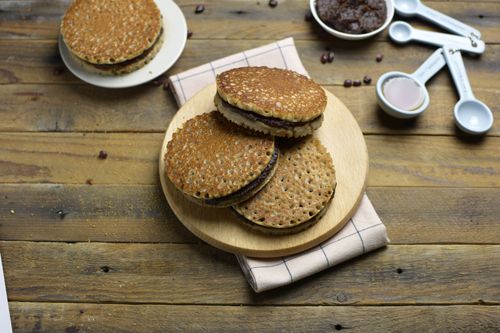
471	115
409	8
401	32
427	70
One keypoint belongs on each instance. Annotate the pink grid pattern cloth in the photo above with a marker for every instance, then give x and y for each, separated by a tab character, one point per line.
363	233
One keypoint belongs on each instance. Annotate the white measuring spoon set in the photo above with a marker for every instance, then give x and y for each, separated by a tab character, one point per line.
470	114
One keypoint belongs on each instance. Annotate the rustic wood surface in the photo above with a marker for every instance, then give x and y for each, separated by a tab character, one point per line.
120	261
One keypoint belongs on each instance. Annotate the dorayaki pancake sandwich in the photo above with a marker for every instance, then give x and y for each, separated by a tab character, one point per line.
299	193
216	163
271	100
113	37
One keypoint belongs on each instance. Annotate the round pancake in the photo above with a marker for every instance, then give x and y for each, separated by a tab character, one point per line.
213	162
298	194
109	32
126	66
248	119
272	92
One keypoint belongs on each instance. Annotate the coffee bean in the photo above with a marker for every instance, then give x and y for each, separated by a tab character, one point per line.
347	83
61	213
379	57
273	3
199	9
103	155
367	79
331	56
159	80
58	71
89	181
324	58
308	16
356	83
190	34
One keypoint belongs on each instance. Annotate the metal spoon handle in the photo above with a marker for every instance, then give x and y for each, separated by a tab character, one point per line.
457	68
446	22
430	67
440	39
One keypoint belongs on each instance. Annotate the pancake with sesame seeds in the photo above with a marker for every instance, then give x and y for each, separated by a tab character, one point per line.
113	37
215	163
274	101
298	195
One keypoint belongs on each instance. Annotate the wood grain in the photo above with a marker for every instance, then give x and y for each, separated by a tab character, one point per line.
342	138
237	19
150	108
200	274
427	190
132	159
90	109
103	318
28	61
139	213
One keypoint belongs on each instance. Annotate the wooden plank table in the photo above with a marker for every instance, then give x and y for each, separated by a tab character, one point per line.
120	261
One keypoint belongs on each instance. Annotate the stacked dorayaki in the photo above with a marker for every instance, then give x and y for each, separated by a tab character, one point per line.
256	153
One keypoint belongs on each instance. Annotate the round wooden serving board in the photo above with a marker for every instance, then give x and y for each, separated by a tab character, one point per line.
344	140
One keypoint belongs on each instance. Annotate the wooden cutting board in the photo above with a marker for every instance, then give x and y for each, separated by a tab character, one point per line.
344	140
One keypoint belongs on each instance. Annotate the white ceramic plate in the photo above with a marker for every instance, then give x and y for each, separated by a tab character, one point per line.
175	30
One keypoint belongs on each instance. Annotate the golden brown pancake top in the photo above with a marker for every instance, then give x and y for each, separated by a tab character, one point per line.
108	32
272	92
303	184
210	157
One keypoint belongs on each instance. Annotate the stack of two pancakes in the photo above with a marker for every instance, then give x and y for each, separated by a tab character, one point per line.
256	153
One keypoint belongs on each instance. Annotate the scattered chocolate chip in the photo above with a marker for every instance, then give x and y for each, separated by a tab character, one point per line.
199	9
399	270
104	269
324	58
308	16
331	56
338	327
103	155
158	81
190	34
367	79
58	71
480	16
89	181
61	213
356	83
347	83
379	57
273	3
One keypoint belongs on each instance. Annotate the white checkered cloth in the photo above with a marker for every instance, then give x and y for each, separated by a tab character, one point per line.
363	233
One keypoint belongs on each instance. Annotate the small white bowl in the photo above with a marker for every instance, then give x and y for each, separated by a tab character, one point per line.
390	14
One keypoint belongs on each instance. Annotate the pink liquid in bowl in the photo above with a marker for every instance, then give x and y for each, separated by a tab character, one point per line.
403	93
